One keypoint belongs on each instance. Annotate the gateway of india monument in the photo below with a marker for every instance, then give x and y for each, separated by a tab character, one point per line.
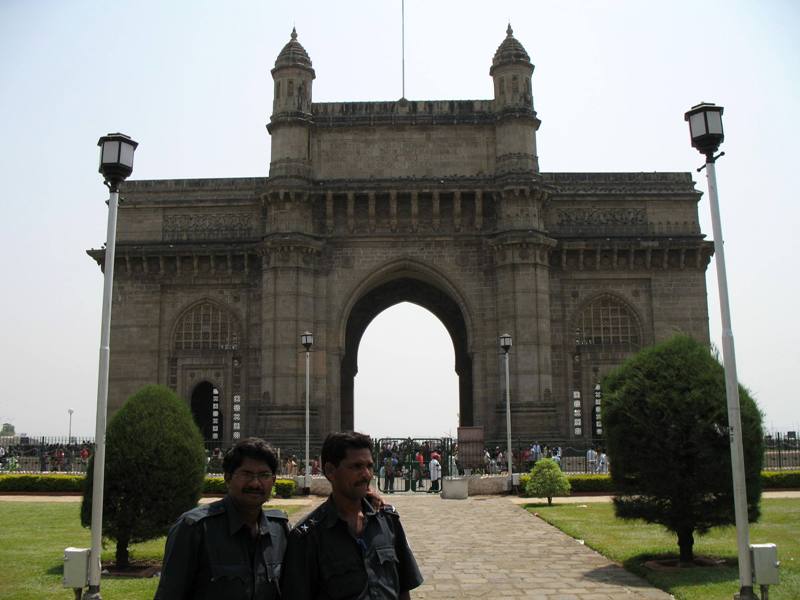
367	204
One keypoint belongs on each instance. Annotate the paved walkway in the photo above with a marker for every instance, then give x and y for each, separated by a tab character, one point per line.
489	547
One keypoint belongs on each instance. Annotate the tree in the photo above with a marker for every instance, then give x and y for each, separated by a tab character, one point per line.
155	469
666	427
7	430
547	480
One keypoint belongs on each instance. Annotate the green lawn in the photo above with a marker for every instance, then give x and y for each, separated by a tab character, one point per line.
631	543
33	536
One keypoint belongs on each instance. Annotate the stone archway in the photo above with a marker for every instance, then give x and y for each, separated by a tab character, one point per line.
416	291
205	406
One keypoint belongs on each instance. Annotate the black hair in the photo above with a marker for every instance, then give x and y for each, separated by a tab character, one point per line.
336	445
252	447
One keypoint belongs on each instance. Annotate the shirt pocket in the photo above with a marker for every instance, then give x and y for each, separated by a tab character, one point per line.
342	578
386	555
230	576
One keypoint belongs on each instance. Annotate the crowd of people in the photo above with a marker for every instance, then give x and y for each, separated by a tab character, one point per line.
46	457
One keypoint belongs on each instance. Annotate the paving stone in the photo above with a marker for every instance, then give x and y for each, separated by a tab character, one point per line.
488	547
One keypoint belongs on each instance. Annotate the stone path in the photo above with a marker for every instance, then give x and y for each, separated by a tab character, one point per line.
489	547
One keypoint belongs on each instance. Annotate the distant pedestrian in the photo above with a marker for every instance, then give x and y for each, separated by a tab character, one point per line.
436	472
591	460
602	463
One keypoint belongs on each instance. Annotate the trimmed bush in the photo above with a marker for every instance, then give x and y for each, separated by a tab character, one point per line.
584	484
155	469
285	488
547	480
666	427
214	485
781	480
41	483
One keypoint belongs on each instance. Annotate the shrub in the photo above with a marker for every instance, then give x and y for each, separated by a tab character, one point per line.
155	468
285	488
41	483
591	484
214	485
547	480
524	478
781	480
666	427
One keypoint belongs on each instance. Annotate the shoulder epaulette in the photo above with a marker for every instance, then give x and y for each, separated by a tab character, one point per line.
389	509
202	512
305	526
275	513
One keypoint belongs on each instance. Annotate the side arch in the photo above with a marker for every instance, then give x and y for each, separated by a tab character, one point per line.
607	320
405	281
206	325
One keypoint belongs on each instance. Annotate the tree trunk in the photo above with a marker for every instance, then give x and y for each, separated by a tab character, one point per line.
122	558
549	500
686	544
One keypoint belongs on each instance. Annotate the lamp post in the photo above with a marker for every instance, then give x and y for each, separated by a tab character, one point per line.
705	127
69	431
307	340
505	344
116	165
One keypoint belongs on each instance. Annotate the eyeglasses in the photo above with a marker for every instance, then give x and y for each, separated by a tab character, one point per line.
250	475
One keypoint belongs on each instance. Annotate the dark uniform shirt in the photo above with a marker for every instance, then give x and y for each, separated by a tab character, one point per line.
211	554
325	561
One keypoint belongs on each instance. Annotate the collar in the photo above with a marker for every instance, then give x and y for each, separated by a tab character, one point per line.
331	516
235	521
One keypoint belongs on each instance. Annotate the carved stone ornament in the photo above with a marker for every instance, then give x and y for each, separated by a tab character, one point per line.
582	217
207	226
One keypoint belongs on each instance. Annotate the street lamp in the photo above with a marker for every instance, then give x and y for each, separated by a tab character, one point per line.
116	165
69	433
705	128
307	340
505	344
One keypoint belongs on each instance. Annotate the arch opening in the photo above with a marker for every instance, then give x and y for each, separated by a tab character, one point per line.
406	385
421	293
206	410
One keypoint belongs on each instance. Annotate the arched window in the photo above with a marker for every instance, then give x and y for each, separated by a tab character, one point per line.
607	321
206	326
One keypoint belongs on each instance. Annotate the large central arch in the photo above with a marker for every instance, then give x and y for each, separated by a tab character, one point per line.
422	293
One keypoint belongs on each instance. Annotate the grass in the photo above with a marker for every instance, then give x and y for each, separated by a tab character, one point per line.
631	543
33	536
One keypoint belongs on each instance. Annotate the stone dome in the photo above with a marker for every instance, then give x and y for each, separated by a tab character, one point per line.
293	54
510	52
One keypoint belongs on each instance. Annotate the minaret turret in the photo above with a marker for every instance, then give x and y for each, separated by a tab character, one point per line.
513	104
291	111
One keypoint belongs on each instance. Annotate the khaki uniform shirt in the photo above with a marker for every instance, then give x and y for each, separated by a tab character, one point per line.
325	561
210	554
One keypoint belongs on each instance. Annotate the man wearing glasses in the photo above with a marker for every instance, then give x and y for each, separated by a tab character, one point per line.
346	549
231	548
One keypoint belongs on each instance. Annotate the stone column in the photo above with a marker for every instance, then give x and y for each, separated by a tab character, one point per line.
521	257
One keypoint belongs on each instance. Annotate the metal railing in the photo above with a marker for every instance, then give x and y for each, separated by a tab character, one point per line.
40	454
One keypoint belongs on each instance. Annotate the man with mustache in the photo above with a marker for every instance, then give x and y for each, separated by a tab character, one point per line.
345	548
231	548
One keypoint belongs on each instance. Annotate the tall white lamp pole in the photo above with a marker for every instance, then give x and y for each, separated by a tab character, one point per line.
116	165
307	340
705	127
505	344
69	432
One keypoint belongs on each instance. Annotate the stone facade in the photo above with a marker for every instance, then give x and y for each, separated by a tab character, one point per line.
368	204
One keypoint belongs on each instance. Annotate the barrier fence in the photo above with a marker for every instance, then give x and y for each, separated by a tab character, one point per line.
58	454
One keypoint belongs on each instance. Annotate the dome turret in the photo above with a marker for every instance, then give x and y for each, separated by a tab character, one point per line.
293	54
510	52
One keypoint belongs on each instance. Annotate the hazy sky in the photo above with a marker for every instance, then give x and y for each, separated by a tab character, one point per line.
190	82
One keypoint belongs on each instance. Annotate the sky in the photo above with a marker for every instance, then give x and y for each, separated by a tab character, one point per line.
190	81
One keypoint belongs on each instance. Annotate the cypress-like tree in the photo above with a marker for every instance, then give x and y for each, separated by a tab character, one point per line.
155	468
666	428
